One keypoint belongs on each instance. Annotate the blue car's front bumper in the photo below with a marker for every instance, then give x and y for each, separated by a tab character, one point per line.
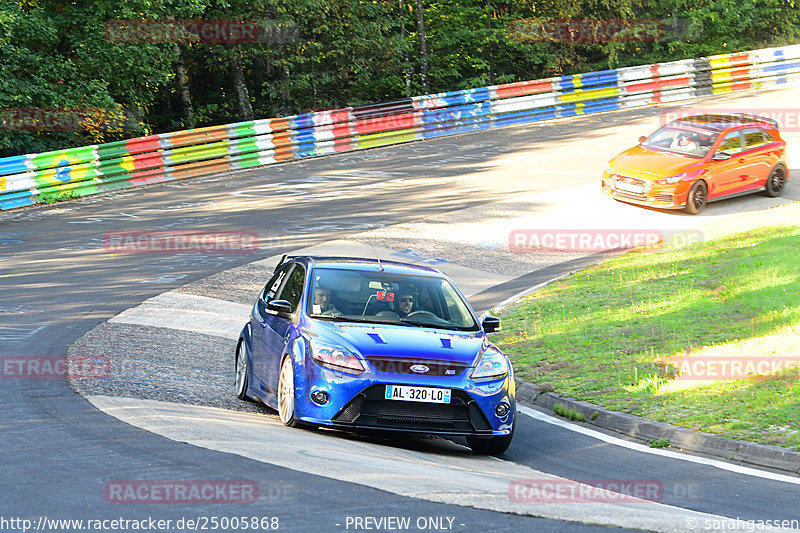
357	401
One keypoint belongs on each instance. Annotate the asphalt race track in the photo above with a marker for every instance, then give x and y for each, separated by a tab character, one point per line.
167	323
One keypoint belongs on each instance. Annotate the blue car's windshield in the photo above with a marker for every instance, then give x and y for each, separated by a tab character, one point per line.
386	298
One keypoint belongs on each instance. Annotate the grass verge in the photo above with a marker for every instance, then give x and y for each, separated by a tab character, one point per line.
567	412
620	334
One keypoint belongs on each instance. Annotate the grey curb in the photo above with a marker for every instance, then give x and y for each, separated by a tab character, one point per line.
751	453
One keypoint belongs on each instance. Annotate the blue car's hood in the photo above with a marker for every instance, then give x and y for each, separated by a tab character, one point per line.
400	341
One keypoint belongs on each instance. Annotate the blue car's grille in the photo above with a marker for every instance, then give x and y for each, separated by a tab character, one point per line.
399	365
403	411
370	409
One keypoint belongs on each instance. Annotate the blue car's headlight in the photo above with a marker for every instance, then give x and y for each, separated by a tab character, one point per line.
492	364
335	357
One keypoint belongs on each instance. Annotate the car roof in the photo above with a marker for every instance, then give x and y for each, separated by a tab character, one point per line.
721	122
364	264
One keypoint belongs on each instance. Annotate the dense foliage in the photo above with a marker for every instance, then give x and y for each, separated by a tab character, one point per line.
321	54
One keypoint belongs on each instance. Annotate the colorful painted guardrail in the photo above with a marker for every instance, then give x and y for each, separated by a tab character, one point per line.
63	174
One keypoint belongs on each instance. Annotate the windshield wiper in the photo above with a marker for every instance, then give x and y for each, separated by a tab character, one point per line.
412	322
343	318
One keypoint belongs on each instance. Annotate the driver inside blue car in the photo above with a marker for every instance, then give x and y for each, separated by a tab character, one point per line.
405	301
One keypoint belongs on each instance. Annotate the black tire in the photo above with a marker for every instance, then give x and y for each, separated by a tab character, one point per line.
697	198
490	445
242	369
776	182
286	403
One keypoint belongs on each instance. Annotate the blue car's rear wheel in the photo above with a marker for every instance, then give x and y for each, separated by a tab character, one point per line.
286	393
491	445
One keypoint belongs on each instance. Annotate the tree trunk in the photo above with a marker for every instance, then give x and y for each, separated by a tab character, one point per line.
183	90
423	52
287	97
240	87
406	69
258	84
489	54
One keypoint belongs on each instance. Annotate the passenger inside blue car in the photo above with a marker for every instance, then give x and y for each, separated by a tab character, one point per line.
323	304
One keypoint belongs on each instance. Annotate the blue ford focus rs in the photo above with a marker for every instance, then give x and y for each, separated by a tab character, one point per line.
368	344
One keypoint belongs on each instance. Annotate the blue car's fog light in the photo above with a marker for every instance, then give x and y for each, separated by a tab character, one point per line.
319	397
501	410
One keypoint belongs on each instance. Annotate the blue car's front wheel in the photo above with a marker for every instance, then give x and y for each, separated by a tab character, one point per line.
242	372
286	402
491	445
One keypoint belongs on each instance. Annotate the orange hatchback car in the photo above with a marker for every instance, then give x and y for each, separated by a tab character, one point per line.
700	159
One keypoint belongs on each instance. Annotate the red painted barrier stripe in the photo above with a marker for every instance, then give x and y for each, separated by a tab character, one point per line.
522	88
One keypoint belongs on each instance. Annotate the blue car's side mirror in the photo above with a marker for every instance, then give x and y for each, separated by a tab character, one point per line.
491	324
281	308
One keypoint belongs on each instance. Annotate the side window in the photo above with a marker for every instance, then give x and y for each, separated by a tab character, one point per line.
753	137
731	144
767	137
274	284
293	289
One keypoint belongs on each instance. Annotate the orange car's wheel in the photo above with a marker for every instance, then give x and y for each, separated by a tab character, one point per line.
776	181
697	198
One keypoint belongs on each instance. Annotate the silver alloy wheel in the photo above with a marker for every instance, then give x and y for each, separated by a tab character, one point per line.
286	392
241	370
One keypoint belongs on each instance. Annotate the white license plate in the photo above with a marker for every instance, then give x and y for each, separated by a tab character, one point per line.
417	394
622	186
